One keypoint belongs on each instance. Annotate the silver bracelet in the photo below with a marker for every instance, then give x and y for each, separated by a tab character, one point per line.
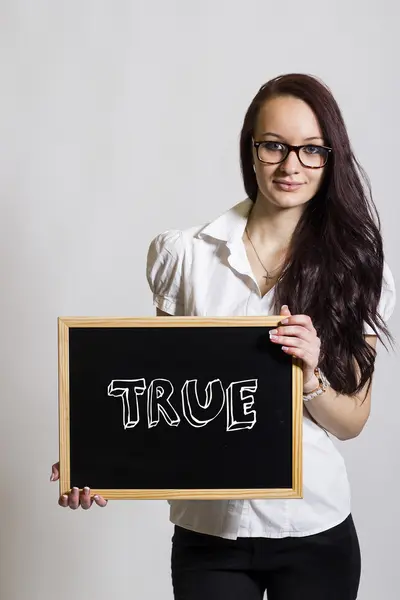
323	384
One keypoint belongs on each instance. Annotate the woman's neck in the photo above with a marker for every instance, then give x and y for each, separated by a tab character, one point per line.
272	227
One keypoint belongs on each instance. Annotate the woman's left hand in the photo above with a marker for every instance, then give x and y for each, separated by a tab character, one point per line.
298	338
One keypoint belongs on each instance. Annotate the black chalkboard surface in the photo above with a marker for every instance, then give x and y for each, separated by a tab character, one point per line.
178	407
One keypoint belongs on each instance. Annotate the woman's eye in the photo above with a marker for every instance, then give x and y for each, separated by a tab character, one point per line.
313	149
273	146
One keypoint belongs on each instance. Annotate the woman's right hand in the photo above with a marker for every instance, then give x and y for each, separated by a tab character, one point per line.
75	498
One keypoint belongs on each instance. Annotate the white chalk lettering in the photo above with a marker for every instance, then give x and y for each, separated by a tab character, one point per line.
126	389
238	408
196	413
158	395
238	398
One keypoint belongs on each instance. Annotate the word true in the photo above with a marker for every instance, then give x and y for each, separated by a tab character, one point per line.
238	398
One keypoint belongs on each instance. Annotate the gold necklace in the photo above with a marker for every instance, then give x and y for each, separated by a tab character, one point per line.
267	276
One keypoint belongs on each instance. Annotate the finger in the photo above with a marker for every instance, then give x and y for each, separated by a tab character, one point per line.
55	472
290	341
296	331
63	501
303	320
301	353
285	310
86	501
73	498
100	501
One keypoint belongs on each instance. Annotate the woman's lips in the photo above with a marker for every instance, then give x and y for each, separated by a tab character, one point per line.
288	186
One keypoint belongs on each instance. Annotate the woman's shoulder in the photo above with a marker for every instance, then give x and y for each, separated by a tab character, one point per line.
169	260
387	300
388	279
388	293
179	236
219	228
170	241
174	241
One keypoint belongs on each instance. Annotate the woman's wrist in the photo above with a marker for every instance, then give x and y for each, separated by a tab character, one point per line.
322	384
311	385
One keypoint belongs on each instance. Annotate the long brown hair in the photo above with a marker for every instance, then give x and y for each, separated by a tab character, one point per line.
334	267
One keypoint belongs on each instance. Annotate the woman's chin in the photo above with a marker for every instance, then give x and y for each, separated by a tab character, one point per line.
286	200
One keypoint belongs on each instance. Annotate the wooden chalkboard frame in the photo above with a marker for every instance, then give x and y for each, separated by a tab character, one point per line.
66	323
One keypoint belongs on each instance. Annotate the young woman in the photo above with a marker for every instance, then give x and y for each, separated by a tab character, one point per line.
304	244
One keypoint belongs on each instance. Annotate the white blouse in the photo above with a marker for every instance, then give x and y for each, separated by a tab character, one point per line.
204	271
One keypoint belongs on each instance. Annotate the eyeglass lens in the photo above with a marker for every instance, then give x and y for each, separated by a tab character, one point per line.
275	152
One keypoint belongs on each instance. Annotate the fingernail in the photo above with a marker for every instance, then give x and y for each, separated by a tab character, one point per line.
96	497
284	307
52	477
285	321
273	332
65	497
75	489
86	490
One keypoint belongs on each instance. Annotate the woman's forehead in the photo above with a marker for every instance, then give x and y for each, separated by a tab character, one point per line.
287	115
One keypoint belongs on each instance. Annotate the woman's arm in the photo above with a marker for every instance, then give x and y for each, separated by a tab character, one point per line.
343	416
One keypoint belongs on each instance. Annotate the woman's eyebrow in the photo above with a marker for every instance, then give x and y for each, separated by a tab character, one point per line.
274	134
314	137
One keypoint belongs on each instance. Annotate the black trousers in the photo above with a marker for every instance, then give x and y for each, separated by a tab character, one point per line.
324	566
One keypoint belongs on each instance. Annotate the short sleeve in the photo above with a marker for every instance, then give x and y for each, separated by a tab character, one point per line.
387	301
164	272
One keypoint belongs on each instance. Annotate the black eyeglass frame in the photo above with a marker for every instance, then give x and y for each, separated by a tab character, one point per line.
289	149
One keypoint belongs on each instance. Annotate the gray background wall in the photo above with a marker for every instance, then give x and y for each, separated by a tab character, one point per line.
119	120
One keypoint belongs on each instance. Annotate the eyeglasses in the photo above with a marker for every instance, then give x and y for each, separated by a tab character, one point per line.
310	155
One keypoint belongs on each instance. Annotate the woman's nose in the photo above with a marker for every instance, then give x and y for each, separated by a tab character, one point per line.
291	164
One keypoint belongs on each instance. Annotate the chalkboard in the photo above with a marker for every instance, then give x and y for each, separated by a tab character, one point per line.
178	407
